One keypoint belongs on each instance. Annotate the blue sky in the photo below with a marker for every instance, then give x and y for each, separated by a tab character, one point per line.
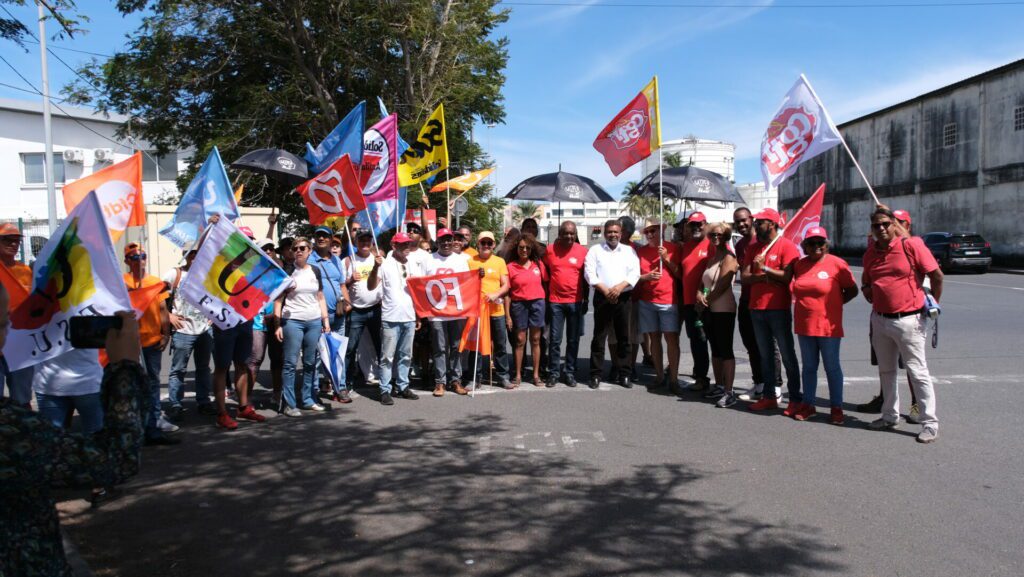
722	70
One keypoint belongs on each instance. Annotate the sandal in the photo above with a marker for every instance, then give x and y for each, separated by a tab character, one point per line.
513	384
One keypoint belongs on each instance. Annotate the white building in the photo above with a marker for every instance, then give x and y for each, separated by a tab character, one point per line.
84	141
713	155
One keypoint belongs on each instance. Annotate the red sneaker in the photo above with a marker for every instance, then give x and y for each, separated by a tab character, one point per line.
249	413
837	416
792	409
224	421
806	411
765	404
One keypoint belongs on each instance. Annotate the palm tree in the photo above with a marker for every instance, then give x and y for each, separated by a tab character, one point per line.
525	209
674	160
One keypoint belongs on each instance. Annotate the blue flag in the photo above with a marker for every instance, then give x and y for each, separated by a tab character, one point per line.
332	347
208	194
346	138
387	214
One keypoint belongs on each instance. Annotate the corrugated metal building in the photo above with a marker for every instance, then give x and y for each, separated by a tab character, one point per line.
953	157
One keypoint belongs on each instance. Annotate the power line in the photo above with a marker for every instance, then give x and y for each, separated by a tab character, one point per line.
54	54
683	5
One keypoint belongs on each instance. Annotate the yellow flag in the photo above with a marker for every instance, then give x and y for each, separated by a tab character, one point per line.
238	193
464	182
428	154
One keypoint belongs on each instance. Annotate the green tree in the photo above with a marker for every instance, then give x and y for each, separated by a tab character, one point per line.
525	209
245	75
641	207
673	160
63	12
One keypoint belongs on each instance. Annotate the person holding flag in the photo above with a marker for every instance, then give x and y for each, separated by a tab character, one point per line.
764	266
658	306
19	382
191	335
390	277
149	295
494	286
332	275
366	304
446	333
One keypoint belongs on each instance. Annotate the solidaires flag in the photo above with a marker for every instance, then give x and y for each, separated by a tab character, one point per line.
634	133
231	279
76	274
428	154
208	194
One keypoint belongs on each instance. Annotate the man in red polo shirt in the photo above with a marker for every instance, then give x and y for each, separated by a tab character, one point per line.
694	259
567	290
893	282
771	305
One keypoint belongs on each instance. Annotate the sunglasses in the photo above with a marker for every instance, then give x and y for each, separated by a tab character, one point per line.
520	247
651	231
715	235
881	225
11	239
137	256
405	273
813	242
301	248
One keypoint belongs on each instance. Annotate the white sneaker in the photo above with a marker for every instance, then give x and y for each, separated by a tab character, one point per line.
165	425
316	407
754	393
291	412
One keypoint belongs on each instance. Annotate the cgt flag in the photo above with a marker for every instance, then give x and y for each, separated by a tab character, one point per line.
231	279
428	154
634	133
76	274
800	130
463	183
807	217
332	194
208	194
449	295
119	191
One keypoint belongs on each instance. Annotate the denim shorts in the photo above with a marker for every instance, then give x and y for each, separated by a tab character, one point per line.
528	314
232	345
658	318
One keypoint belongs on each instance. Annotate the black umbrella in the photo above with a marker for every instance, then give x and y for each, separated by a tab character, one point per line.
278	164
560	187
689	183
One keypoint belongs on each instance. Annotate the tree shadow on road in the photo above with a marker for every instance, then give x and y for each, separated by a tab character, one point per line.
316	496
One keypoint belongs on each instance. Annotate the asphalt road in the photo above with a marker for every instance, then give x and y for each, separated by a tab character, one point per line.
574	482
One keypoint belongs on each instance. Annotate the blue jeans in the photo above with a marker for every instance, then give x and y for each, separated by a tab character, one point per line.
56	409
200	347
827	348
771	328
444	346
298	335
152	357
567	317
359	319
19	383
395	354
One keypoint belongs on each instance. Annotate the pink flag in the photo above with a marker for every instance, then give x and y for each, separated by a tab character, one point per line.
800	130
378	173
807	217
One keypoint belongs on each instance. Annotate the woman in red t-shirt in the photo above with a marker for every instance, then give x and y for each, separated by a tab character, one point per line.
821	285
526	276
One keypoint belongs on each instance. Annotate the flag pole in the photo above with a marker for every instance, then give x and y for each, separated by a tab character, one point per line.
369	220
476	361
448	193
661	205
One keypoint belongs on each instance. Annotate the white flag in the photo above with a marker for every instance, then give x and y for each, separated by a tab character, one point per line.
800	130
76	274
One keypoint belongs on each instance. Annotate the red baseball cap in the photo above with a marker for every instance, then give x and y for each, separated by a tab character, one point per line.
816	232
769	214
902	215
697	217
399	238
443	232
9	229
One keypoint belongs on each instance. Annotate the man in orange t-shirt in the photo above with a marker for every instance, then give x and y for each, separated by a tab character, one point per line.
19	383
154	334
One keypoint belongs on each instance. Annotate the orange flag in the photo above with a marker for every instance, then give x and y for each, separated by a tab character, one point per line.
469	336
119	189
16	291
238	193
143	297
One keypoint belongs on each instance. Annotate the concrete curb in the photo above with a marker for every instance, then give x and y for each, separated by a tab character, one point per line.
78	565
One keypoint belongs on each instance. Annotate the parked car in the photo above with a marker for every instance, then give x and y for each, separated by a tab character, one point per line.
960	250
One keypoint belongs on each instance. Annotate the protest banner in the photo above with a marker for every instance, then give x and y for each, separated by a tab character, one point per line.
449	295
428	154
119	191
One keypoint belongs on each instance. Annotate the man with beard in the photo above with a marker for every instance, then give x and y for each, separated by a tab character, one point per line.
743	223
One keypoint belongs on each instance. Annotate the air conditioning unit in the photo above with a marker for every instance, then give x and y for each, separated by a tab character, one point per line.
74	155
104	154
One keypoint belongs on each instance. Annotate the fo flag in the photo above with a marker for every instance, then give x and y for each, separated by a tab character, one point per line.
634	133
76	274
231	279
333	194
800	130
428	154
809	216
450	295
119	190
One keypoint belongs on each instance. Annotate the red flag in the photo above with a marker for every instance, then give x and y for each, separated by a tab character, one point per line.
470	339
334	193
634	133
119	190
808	216
16	292
450	295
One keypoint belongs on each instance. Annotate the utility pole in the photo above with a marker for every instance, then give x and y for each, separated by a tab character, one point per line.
51	192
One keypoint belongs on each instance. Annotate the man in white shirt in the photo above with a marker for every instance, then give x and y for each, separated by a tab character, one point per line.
191	335
613	269
445	334
389	277
365	313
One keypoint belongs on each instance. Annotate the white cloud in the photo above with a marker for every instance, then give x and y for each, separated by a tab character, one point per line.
561	14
